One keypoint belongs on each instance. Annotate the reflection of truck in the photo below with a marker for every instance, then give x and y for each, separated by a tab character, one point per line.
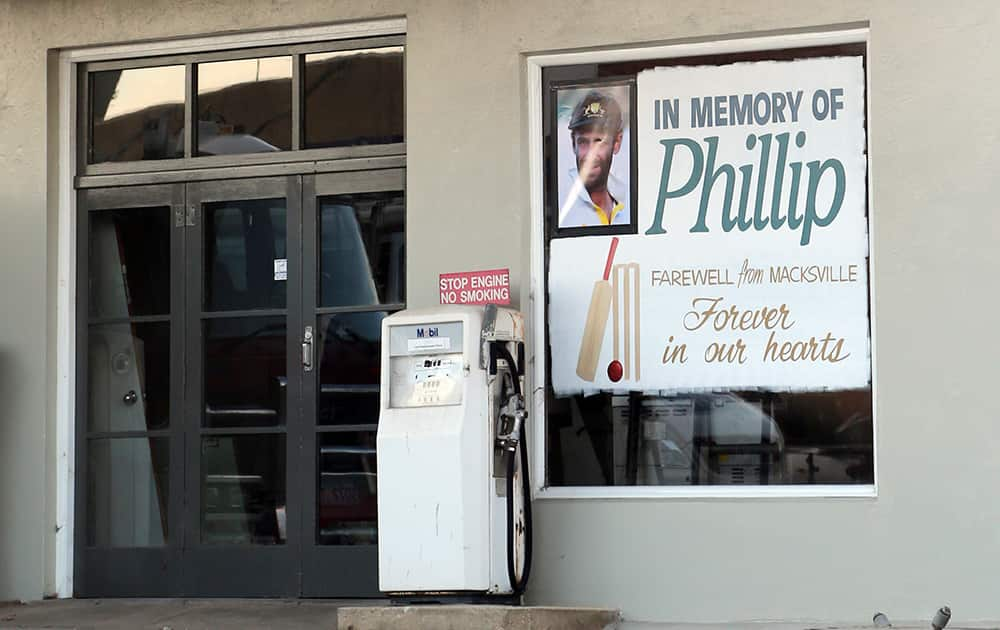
348	395
698	439
347	493
243	489
746	438
245	359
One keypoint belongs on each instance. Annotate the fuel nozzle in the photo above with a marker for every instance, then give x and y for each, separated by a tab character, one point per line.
512	416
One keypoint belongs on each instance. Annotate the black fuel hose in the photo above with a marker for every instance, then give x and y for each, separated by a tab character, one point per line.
516	585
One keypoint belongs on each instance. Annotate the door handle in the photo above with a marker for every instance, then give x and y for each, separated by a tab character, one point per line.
307	349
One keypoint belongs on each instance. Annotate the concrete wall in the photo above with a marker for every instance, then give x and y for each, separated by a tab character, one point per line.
930	537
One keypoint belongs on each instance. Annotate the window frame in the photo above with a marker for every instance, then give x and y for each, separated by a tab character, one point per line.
537	295
190	61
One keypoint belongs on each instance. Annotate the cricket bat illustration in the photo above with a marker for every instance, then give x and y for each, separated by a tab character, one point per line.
597	321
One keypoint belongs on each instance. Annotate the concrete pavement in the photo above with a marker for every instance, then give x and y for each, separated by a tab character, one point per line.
277	614
172	614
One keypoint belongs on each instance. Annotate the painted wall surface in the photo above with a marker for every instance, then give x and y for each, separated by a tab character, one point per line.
930	537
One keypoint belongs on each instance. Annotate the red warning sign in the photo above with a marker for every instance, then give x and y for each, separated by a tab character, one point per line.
476	287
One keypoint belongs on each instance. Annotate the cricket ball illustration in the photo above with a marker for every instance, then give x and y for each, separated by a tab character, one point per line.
615	370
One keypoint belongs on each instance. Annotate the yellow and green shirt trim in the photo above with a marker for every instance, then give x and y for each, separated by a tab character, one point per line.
603	216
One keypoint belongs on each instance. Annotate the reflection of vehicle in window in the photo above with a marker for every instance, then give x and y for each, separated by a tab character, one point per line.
361	249
349	393
243	240
712	439
741	444
245	356
347	489
215	137
732	438
345	276
832	441
245	373
361	264
243	489
243	476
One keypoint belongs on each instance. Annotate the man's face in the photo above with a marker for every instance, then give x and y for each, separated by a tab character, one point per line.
594	147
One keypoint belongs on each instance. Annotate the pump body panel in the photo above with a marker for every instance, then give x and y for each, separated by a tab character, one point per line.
441	517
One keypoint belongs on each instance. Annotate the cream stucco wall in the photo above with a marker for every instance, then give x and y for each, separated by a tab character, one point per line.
932	534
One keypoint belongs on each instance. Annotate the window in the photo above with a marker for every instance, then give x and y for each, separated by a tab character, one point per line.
137	114
245	106
335	99
354	98
705	412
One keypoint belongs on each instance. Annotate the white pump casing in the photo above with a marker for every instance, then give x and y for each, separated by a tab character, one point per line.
441	500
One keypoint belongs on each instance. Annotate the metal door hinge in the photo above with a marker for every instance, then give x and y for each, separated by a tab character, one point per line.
192	215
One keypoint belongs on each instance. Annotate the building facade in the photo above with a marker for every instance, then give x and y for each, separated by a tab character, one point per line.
344	155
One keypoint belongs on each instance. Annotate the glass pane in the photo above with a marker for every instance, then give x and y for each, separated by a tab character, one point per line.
129	264
243	490
245	375
137	114
246	262
347	506
127	492
733	438
244	106
354	97
128	377
361	244
350	350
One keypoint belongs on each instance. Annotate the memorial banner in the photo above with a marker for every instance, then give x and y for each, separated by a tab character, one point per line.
749	268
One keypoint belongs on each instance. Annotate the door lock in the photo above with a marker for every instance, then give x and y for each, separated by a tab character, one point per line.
307	349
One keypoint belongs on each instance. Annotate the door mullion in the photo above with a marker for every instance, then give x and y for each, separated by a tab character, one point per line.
193	378
176	493
297	471
307	456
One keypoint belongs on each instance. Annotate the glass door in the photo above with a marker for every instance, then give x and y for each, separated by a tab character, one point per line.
129	438
354	275
228	384
243	384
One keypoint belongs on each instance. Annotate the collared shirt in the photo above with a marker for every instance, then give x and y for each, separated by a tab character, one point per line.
577	210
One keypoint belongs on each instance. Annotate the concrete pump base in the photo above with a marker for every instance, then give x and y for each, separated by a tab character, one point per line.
467	617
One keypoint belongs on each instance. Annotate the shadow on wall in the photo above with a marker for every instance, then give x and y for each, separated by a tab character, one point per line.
9	385
23	475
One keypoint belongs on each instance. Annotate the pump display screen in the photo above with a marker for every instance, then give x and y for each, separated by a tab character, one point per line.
426	381
424	368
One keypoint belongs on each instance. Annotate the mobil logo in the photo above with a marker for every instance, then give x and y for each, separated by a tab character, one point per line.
427	332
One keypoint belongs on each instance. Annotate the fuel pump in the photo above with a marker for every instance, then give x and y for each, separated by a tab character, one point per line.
454	506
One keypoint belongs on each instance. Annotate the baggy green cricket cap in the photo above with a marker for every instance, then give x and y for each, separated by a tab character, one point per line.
597	108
